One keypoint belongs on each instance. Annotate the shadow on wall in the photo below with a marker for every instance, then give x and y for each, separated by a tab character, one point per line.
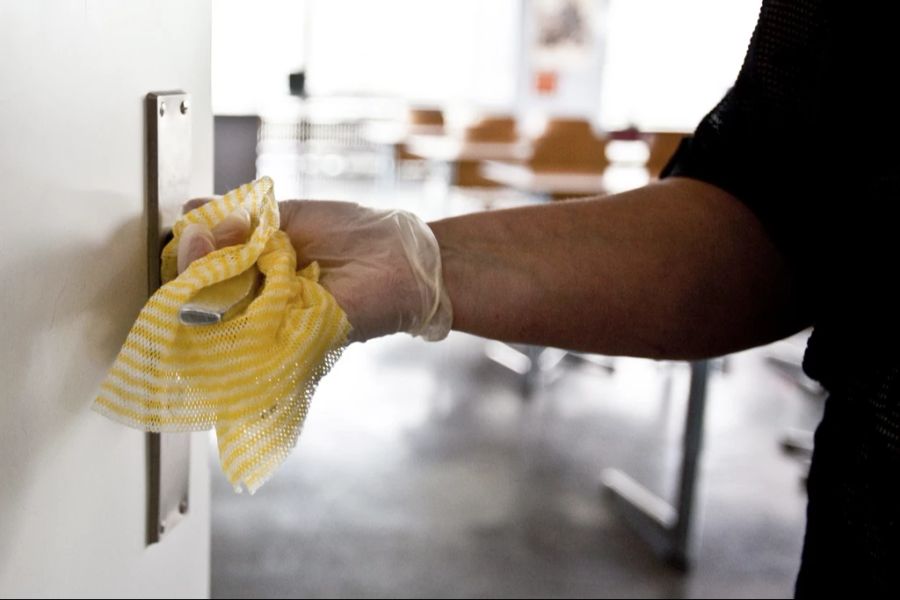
91	292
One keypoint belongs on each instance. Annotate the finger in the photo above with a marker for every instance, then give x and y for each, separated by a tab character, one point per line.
233	229
195	242
196	203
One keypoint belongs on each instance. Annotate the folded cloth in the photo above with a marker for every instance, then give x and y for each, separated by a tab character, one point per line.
252	376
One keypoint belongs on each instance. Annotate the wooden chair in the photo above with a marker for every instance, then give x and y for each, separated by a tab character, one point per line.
569	146
493	129
662	147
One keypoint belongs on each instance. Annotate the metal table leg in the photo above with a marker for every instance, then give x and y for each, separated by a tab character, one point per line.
667	527
535	364
524	360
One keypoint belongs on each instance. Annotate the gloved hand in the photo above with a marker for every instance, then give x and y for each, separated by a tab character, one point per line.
382	267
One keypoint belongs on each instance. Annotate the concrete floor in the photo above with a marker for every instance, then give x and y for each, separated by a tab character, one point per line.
423	473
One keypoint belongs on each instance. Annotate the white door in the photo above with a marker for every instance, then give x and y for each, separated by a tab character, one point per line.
73	486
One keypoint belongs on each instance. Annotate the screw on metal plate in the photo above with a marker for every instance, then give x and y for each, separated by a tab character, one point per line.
183	506
185	106
162	109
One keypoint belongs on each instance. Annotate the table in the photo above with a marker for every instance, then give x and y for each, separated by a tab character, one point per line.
463	157
453	149
666	527
391	133
551	183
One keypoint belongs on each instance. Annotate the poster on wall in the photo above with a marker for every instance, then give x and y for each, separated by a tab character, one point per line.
563	34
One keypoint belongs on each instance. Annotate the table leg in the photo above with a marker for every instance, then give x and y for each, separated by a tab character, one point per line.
667	528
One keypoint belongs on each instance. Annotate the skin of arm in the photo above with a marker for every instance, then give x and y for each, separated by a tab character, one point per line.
678	269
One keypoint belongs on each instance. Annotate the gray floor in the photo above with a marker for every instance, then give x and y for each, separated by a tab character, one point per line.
422	473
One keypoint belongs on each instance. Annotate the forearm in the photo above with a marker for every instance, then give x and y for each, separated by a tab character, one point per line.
677	269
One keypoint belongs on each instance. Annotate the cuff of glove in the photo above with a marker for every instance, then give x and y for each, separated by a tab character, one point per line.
439	324
435	318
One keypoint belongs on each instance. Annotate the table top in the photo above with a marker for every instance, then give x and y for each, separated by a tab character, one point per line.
522	177
389	133
447	148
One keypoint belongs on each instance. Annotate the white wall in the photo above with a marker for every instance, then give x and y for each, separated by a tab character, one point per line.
436	51
659	64
73	75
578	85
255	45
669	62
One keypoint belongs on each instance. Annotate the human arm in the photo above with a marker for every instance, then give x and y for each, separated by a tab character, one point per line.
676	269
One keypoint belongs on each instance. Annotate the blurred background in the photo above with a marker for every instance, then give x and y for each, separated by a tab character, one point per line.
471	468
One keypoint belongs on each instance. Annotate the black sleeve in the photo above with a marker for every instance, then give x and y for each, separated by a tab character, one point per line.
796	137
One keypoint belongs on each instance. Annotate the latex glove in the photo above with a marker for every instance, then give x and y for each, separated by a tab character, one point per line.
382	267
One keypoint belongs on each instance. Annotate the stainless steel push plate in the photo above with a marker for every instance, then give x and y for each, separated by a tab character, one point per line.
168	116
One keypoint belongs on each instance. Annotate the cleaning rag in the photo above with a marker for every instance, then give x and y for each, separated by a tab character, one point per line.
251	377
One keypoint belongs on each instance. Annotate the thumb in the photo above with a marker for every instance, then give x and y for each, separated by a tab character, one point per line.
195	242
233	229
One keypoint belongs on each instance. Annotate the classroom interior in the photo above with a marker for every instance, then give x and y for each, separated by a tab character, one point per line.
471	468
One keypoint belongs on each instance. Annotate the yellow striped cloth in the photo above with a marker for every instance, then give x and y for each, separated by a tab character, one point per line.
250	377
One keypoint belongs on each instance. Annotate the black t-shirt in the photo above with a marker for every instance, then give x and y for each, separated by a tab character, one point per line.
808	138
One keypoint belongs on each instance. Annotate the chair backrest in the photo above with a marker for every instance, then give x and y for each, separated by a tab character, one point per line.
569	145
426	117
662	147
494	128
